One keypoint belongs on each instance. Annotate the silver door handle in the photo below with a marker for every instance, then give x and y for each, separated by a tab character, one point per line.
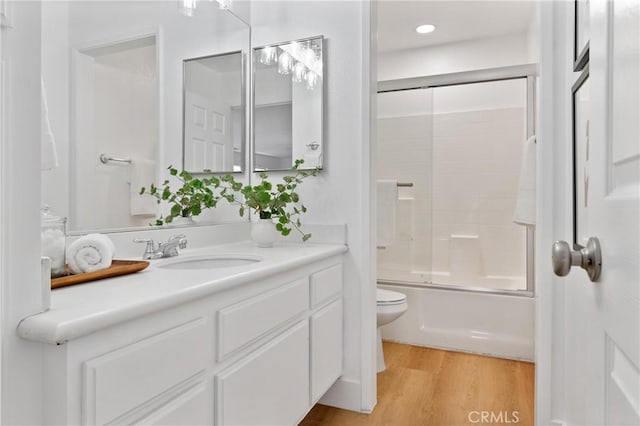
588	258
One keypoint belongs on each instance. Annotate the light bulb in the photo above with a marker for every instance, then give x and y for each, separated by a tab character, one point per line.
308	56
298	72
311	79
285	62
294	48
268	56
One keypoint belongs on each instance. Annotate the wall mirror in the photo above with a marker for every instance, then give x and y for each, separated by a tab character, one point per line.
114	76
288	104
214	113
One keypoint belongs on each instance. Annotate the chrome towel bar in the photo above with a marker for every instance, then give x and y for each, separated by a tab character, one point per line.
104	159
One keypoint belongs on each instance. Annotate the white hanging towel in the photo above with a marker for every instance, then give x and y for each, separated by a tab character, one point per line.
143	173
525	212
48	152
387	208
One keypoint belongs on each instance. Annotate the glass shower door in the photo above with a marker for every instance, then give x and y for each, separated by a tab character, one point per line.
461	147
405	154
479	131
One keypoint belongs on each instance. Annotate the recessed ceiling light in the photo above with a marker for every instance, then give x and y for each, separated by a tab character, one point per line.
425	29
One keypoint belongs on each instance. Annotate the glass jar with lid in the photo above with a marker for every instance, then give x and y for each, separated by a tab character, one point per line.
53	233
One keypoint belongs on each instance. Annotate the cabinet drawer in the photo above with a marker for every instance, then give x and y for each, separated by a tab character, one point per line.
326	349
244	322
128	377
270	386
326	284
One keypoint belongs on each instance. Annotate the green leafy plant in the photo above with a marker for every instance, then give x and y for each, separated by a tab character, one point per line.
271	201
190	199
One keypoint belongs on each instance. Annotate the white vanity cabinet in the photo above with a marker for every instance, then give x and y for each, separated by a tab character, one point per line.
262	352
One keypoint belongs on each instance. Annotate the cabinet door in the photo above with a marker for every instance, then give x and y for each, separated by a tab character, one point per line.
138	374
326	349
193	407
269	386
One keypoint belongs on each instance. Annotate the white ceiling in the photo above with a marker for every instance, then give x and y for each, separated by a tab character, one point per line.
455	21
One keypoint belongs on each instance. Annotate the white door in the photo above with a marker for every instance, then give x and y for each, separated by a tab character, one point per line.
207	133
601	320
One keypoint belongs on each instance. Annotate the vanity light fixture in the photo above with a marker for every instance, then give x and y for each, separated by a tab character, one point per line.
301	60
189	6
425	29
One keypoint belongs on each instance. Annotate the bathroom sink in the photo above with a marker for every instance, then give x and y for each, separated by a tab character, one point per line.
209	262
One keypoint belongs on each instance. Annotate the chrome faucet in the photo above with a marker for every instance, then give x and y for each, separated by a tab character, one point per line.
168	249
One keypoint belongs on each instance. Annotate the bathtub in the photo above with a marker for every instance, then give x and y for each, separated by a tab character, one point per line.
483	323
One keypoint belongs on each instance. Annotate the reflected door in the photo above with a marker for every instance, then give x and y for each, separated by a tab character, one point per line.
208	142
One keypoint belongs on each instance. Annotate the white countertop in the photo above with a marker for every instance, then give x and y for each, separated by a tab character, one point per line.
83	309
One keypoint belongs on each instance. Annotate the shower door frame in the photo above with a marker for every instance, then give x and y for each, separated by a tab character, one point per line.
529	72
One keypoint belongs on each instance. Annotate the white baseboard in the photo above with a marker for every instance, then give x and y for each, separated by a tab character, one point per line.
558	423
345	394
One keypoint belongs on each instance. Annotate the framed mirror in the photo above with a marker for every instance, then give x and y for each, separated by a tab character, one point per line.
288	84
113	80
213	105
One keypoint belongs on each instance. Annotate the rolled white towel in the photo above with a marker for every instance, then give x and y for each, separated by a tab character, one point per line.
90	253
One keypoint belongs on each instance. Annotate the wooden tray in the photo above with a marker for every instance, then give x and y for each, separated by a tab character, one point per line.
118	267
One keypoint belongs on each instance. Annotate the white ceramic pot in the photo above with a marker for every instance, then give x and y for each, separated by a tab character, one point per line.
182	221
263	232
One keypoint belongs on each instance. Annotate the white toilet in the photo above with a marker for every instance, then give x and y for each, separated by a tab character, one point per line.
391	305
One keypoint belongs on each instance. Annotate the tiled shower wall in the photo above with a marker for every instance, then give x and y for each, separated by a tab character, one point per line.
454	226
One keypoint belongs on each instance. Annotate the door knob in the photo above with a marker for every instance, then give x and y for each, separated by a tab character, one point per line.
588	258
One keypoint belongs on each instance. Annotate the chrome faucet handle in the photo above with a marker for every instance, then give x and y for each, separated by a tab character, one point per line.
149	250
182	240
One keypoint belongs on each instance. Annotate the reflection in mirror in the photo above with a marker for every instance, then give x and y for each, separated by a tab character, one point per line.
288	99
213	113
112	74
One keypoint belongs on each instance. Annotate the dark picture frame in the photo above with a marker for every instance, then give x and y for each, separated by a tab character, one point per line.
580	154
580	53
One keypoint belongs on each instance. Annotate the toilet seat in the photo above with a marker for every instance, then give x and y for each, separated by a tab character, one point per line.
388	297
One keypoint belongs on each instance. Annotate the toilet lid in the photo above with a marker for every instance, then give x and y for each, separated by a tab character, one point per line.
384	297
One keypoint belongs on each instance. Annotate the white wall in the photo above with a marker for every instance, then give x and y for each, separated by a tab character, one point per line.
456	57
340	194
20	199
